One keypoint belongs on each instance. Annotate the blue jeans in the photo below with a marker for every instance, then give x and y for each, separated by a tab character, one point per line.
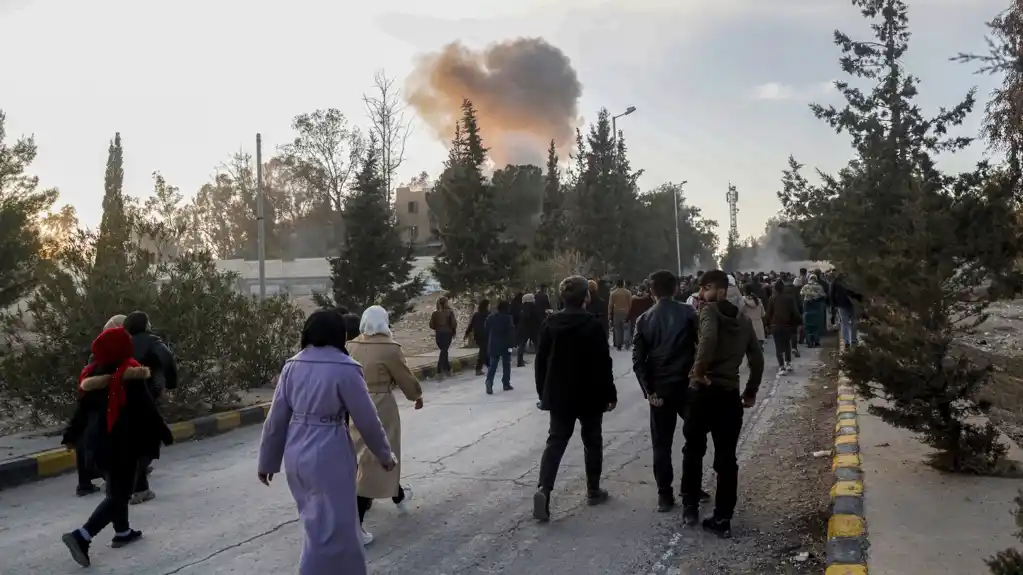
847	319
505	359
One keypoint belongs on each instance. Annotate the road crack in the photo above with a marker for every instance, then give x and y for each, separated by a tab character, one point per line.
232	546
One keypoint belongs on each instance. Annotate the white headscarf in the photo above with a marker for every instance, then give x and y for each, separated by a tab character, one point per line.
731	280
375	321
115	321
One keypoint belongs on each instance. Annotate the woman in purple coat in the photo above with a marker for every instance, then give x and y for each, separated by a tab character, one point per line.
307	429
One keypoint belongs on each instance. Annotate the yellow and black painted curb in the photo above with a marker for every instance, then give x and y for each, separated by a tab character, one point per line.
847	544
53	462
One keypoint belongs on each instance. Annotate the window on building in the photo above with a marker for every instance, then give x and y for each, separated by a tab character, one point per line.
413	233
413	207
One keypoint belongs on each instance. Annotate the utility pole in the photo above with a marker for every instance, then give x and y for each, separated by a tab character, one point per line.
259	217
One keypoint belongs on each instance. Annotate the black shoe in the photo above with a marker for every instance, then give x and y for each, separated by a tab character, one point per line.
690	516
665	503
83	490
596	496
78	547
507	387
520	364
542	506
795	352
122	540
720	527
490	389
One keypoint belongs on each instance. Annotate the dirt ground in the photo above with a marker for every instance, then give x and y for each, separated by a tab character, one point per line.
999	342
786	500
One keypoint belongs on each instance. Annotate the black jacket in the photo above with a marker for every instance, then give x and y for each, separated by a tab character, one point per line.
530	318
139	429
574	374
598	307
500	333
478	329
664	348
841	296
543	302
153	353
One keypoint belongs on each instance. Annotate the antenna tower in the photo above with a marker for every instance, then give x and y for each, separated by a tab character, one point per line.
733	211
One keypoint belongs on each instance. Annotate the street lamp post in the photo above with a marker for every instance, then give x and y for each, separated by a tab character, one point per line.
614	127
678	239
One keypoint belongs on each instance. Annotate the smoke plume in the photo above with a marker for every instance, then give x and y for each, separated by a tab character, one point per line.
525	91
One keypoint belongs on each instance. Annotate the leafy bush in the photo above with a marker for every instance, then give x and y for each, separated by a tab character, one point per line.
225	341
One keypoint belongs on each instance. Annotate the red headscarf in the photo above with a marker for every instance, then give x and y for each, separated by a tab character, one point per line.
112	347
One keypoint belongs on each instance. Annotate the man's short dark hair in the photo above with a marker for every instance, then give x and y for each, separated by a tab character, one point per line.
573	290
503	306
620	283
716	279
802	271
663	283
136	322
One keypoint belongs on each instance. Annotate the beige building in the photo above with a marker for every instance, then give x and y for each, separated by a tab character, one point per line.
414	217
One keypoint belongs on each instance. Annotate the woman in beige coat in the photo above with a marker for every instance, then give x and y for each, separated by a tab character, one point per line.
385	368
753	308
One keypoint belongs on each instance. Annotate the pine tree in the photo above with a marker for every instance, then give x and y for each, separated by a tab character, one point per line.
625	197
474	257
913	240
375	265
594	210
114	228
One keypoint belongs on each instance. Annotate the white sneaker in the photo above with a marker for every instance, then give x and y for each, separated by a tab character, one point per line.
365	536
403	506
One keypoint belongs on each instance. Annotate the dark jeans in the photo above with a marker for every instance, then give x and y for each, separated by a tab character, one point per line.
85	474
142	475
663	421
715	410
561	430
524	340
783	337
505	359
443	339
482	358
114	507
364	503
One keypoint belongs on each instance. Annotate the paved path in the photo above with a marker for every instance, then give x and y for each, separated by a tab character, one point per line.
472	460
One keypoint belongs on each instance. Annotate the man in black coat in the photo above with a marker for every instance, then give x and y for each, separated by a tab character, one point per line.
576	382
663	352
153	353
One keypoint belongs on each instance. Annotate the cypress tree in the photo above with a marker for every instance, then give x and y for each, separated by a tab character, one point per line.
114	228
375	263
551	235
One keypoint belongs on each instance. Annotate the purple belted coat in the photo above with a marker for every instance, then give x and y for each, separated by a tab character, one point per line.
306	429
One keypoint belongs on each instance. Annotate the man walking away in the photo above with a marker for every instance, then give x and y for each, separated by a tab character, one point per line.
501	338
527	326
598	307
618	308
574	381
641	302
150	351
842	299
543	301
664	352
784	318
715	405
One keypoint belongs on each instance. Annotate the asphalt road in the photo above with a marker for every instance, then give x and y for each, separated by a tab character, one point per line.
471	460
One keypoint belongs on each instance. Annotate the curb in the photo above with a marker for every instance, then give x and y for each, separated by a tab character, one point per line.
847	543
54	462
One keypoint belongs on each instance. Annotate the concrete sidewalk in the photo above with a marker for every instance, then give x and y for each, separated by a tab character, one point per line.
923	521
34	455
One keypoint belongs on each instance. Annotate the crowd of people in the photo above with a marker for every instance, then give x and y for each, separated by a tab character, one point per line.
335	427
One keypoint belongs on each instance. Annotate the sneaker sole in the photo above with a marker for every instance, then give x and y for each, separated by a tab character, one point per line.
76	552
117	544
540	508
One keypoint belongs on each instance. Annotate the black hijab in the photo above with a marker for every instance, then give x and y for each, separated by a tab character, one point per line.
322	328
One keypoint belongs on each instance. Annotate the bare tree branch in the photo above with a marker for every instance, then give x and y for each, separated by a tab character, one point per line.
388	122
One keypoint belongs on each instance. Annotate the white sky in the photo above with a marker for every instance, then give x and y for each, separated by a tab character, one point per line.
721	91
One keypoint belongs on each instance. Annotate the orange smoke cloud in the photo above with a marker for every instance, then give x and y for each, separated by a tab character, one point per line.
525	91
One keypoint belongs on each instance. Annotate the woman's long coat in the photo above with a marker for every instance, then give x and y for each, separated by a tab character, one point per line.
385	368
754	310
307	428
